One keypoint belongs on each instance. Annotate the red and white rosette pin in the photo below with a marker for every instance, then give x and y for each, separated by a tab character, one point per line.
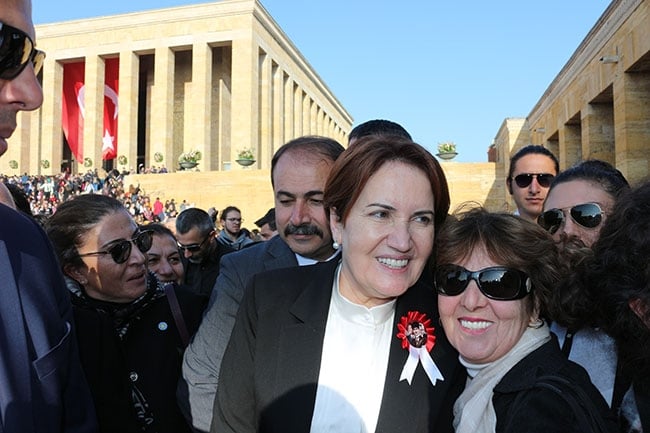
417	336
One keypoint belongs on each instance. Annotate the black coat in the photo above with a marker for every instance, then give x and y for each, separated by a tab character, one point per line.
145	361
542	410
269	375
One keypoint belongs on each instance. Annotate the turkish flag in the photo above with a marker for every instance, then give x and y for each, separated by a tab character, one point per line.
111	108
72	112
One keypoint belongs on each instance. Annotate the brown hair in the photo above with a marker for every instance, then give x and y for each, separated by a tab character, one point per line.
509	241
358	163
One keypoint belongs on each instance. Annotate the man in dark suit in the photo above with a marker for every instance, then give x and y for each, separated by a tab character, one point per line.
42	387
299	170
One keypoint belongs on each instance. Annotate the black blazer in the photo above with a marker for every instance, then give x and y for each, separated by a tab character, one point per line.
270	370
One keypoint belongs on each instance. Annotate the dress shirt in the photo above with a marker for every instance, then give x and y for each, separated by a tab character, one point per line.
353	365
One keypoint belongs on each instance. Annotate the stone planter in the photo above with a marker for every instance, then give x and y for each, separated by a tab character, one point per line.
188	165
245	162
447	155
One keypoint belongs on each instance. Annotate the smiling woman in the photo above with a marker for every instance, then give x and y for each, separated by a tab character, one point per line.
495	275
349	344
125	323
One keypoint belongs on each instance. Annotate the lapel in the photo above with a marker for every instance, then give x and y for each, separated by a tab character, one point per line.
415	407
278	255
301	344
15	375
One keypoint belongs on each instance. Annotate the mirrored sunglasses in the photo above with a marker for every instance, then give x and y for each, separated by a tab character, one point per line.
525	179
498	282
121	251
588	215
17	50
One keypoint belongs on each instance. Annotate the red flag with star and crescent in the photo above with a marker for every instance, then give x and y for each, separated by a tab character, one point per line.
74	107
111	108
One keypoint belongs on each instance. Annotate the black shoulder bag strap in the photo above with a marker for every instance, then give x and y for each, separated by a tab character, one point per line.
578	400
178	314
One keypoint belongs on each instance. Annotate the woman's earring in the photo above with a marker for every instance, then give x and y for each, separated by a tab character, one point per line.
336	245
538	323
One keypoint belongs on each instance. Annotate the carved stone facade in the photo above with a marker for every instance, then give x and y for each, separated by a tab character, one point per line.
216	77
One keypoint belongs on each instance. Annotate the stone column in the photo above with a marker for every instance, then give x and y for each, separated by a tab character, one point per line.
198	119
598	132
298	111
245	94
94	112
570	145
278	108
306	111
632	128
161	109
49	146
265	151
127	119
288	109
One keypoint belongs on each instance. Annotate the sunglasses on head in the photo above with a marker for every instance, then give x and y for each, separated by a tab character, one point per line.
17	50
121	251
193	248
588	215
525	179
498	282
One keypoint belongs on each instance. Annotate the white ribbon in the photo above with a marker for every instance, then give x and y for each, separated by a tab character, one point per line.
430	368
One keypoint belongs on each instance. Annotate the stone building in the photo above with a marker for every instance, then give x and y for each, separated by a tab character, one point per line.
598	106
217	78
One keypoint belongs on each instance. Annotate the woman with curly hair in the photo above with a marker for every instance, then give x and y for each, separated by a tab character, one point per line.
495	276
619	276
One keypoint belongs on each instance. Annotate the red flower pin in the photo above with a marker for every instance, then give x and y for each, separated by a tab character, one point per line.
415	329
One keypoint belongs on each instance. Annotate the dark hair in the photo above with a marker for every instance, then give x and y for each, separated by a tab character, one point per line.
323	146
378	127
73	219
227	210
509	241
20	198
620	272
158	229
603	173
356	165
194	217
531	149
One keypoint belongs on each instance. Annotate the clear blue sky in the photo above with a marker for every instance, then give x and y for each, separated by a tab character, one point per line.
445	70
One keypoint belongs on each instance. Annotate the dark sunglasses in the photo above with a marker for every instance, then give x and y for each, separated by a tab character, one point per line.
499	283
193	248
17	50
525	179
588	215
121	251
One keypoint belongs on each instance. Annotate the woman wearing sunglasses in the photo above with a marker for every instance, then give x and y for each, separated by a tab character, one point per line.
131	335
494	279
576	207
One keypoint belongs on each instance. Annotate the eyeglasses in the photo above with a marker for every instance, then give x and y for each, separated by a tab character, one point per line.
193	248
121	251
525	179
498	282
588	215
16	51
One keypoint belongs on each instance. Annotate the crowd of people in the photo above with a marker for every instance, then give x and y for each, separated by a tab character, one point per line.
369	307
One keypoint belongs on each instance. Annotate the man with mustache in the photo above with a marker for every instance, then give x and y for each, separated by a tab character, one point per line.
299	170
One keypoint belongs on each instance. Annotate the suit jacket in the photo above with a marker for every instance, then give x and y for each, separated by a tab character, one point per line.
42	386
271	367
202	358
